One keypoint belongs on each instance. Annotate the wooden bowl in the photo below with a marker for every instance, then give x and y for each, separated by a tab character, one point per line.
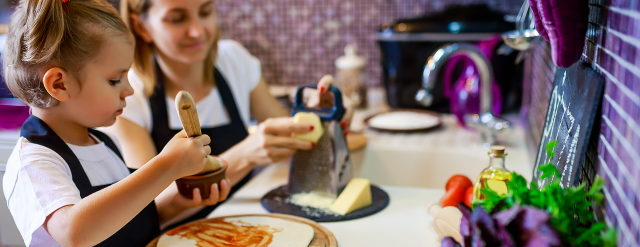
202	182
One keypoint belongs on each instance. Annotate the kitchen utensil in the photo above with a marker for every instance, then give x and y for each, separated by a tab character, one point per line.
322	236
214	169
521	38
423	121
327	166
190	122
277	201
202	181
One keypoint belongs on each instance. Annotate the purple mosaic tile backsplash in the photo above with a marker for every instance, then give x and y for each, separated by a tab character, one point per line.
297	41
612	47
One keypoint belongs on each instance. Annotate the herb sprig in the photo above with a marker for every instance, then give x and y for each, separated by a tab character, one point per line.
570	208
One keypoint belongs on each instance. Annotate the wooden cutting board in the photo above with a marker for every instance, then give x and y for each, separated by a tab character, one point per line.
321	236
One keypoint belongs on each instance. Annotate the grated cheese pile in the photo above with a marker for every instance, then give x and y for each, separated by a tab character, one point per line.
312	200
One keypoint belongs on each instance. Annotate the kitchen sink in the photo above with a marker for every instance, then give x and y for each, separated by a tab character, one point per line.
429	159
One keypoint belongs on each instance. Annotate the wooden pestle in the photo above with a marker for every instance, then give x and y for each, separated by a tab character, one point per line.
191	123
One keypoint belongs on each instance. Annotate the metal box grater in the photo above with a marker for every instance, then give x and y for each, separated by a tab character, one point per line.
327	167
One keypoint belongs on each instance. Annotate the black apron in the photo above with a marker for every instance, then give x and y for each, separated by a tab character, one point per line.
141	229
222	137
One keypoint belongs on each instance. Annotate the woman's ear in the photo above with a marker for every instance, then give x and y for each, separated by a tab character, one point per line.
138	27
57	83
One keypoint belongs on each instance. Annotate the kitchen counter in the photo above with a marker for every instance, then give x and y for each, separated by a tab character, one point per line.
411	168
405	222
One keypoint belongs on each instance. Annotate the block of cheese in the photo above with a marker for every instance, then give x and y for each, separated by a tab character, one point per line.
314	120
355	196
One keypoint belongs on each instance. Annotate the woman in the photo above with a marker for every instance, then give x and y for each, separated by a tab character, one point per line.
177	48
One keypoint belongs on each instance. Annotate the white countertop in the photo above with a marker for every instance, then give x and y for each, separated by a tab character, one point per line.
405	222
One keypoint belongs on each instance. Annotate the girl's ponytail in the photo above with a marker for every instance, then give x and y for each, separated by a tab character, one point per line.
46	22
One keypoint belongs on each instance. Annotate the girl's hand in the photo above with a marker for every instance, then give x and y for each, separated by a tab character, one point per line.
324	98
272	141
215	196
186	155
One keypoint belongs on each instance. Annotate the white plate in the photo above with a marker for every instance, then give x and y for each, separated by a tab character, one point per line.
404	120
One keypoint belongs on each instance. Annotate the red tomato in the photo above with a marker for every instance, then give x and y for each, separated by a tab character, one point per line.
456	188
453	196
458	179
468	196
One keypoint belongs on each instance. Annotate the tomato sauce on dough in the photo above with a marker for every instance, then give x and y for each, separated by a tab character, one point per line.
221	233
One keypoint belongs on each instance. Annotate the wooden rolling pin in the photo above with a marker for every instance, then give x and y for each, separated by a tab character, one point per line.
191	123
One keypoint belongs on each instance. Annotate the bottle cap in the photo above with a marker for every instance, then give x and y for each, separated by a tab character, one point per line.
350	60
497	150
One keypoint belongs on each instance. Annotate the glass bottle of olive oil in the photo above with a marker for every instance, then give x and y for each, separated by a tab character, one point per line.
495	176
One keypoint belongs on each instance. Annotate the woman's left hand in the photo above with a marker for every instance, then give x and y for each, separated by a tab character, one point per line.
215	196
323	97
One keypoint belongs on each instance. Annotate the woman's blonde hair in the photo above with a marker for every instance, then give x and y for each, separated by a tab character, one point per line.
52	33
143	63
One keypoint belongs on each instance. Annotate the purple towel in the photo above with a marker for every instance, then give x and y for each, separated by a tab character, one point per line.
565	23
536	16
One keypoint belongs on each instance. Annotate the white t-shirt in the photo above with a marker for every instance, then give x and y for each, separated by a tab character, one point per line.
38	181
242	73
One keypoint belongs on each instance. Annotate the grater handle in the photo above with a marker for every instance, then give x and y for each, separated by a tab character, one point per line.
327	114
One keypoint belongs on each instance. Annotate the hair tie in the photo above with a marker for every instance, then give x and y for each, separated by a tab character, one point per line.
65	1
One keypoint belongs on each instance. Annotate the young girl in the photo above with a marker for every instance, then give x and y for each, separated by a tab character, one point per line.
65	183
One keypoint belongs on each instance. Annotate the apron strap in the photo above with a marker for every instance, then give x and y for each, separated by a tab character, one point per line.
37	131
161	132
229	101
107	141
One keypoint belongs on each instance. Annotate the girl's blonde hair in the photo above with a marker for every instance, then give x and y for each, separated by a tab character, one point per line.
143	61
52	33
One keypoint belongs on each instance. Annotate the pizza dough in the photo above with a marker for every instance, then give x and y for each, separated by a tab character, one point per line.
259	231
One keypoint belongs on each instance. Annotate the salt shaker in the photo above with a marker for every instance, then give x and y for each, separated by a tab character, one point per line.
349	76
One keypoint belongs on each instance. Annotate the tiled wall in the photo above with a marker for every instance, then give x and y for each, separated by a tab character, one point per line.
537	84
612	48
299	40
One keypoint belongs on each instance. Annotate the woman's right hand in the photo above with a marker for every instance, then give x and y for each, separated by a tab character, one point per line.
273	141
187	155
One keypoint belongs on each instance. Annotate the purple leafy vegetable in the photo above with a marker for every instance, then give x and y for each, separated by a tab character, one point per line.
449	242
517	226
504	237
485	228
465	223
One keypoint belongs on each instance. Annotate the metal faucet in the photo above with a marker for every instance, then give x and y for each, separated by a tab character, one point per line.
485	123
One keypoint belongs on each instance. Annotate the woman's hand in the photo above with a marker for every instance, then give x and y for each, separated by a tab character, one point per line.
215	196
273	141
186	155
324	98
